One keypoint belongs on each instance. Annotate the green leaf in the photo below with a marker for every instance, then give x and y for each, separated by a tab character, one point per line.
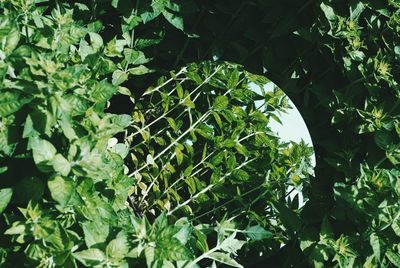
217	119
43	152
29	189
201	241
61	165
103	91
67	128
233	79
118	77
376	248
240	176
134	57
120	149
172	123
141	69
220	102
329	13
90	257
118	248
115	47
383	139
393	257
231	244
96	41
5	197
179	90
95	232
290	219
189	103
257	233
356	10
174	19
124	91
224	258
150	160
62	190
179	156
16	229
396	227
11	103
12	40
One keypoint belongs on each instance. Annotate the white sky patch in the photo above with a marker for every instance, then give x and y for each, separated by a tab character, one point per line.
293	128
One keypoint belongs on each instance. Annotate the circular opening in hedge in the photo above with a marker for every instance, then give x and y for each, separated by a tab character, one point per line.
291	128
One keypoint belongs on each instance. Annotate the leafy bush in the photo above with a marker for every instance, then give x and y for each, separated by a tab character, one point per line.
192	176
82	81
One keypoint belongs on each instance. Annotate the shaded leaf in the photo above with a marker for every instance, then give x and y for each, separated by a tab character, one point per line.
5	197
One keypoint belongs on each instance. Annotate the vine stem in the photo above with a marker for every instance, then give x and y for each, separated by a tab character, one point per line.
202	256
182	178
182	101
164	151
209	187
234	199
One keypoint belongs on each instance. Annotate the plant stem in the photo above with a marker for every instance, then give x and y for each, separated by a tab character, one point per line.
209	187
181	102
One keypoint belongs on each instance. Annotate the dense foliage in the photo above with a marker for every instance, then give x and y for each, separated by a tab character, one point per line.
82	81
175	188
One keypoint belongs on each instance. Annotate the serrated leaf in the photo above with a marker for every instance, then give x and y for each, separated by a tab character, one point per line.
224	258
231	244
240	176
118	248
5	197
220	102
233	79
90	257
95	233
